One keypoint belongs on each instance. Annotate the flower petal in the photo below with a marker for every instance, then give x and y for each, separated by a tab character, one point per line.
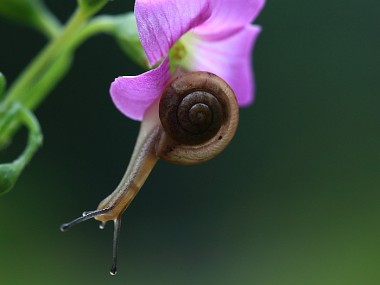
229	16
132	95
162	22
229	58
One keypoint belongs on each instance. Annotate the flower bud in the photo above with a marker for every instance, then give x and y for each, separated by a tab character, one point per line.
127	37
9	174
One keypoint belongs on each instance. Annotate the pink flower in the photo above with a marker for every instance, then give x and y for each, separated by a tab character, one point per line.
199	35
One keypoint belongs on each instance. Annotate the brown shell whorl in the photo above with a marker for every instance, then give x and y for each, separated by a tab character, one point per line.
199	114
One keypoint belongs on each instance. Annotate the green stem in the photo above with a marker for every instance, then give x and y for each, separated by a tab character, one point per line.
97	25
9	172
43	73
47	82
37	94
48	24
34	138
19	91
73	35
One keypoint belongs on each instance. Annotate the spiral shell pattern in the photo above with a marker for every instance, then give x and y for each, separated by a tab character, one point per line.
193	108
199	114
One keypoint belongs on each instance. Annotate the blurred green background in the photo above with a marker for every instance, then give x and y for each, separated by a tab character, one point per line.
293	200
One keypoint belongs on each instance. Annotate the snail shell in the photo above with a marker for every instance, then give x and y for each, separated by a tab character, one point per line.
199	114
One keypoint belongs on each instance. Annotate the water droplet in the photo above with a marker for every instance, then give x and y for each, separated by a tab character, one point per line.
102	225
113	270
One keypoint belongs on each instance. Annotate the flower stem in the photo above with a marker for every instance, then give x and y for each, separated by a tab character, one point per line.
9	172
19	90
48	24
35	82
71	37
46	70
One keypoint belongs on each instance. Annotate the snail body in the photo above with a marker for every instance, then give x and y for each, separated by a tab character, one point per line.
193	120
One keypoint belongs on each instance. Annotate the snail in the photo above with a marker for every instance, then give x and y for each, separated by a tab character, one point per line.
193	120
